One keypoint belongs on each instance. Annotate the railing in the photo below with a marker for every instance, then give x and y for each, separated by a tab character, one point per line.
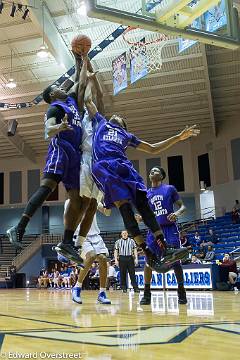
237	253
193	225
31	249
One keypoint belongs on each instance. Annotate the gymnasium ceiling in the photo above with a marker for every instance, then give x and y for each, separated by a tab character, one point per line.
200	85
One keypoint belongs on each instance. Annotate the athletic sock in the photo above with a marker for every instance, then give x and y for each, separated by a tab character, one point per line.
78	284
147	288
102	289
68	237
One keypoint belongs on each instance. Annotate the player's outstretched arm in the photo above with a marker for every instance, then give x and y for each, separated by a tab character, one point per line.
88	99
72	86
157	148
82	83
98	88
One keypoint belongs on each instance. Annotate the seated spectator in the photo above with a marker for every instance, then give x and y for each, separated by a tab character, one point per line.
184	240
43	280
210	255
212	238
201	252
112	275
235	216
195	260
56	278
197	238
232	268
94	276
189	257
51	278
66	276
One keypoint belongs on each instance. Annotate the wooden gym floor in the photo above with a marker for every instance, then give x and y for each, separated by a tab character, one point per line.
47	324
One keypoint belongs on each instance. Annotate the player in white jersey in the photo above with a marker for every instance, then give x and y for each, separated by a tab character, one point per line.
89	192
93	248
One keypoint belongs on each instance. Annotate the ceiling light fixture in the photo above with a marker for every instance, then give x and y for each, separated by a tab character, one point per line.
14	8
11	83
82	10
43	51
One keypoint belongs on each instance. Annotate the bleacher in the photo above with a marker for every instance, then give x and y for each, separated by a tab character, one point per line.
8	252
227	232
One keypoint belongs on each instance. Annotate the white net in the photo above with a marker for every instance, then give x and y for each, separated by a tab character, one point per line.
146	48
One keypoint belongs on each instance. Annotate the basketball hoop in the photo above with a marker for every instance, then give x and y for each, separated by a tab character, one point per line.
146	46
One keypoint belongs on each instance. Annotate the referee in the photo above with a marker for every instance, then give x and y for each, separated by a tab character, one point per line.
125	252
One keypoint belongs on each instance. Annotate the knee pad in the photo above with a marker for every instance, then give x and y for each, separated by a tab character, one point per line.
40	195
129	220
146	212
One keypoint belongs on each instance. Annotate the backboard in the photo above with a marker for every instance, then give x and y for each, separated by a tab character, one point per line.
212	22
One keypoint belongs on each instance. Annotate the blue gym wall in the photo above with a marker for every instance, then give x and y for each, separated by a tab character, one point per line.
33	266
10	217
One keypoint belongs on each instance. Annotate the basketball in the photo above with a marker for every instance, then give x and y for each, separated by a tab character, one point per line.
81	44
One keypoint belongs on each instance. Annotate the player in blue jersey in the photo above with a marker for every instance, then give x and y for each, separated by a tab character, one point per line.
162	198
121	184
63	128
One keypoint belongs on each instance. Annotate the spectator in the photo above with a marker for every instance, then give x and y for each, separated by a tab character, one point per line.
235	216
201	252
197	238
195	260
210	255
56	278
66	276
184	240
112	275
94	276
232	268
51	278
212	237
43	279
188	260
237	205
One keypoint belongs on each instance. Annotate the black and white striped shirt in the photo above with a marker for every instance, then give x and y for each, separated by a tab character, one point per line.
125	247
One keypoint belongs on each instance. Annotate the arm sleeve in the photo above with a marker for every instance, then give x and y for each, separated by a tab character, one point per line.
116	246
133	141
175	195
57	112
99	118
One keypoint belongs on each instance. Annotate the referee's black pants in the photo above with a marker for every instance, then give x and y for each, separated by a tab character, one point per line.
126	263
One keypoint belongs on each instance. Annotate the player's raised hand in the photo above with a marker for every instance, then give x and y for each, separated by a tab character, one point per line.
64	125
91	75
188	132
